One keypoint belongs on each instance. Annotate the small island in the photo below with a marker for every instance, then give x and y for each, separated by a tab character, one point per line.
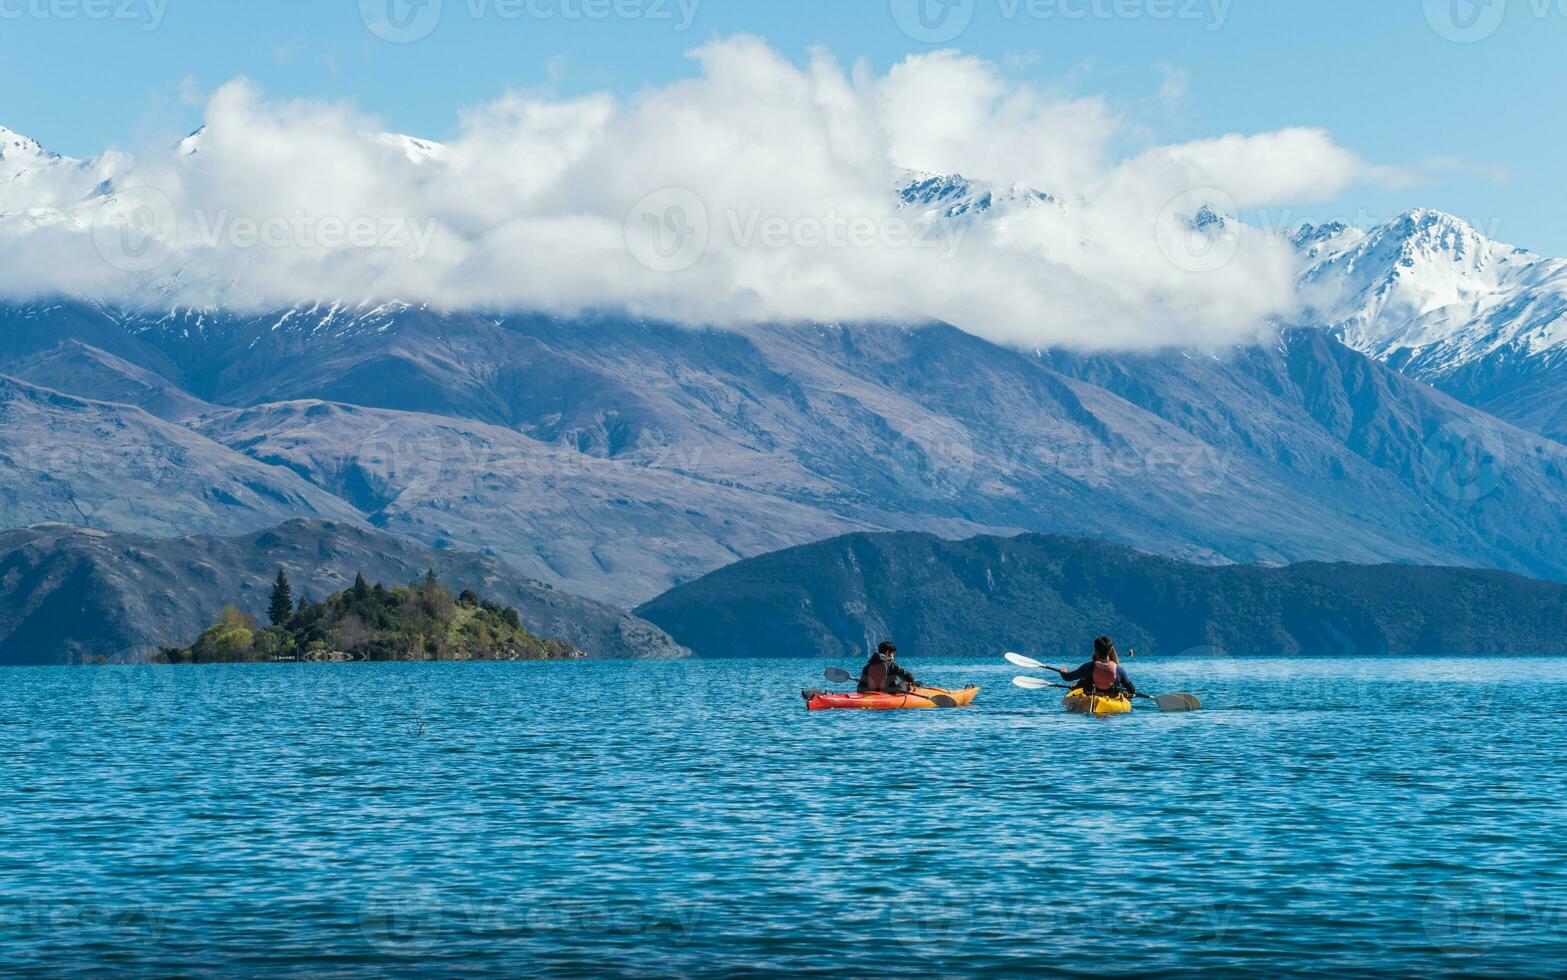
421	621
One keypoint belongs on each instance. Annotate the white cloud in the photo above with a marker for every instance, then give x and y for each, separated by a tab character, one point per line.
793	166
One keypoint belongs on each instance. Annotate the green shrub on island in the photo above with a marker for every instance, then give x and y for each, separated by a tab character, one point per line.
419	621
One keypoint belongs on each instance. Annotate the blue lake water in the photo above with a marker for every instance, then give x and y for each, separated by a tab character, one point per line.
661	819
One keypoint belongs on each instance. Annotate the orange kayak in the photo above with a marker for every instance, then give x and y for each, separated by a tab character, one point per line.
919	698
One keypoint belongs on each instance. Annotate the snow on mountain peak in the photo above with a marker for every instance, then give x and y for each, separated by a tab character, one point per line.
1427	286
20	155
191	144
933	195
417	150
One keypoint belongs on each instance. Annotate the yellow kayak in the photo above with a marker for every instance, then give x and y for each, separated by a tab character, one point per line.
1084	704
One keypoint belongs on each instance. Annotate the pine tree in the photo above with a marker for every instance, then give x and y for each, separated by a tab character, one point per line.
361	587
281	608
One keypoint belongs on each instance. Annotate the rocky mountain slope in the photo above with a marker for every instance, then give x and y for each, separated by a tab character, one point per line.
617	458
1050	596
64	458
1433	297
70	594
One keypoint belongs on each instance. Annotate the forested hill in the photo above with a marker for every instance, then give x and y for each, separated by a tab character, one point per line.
419	621
1049	596
74	594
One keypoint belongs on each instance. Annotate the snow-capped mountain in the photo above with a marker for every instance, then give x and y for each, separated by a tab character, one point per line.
36	183
1425	293
20	155
1431	296
931	196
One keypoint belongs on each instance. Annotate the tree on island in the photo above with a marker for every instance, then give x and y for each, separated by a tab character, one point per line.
281	609
419	621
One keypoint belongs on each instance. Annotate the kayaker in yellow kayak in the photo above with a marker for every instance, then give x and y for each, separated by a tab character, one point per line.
883	675
1102	675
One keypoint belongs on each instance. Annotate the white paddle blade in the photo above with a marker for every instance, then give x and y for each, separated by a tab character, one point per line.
1177	702
1018	660
1032	683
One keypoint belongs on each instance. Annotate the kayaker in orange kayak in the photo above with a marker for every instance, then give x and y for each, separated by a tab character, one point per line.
1102	675
882	673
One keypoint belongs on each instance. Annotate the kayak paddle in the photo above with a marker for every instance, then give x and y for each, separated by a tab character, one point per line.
1166	702
1037	684
1173	702
840	676
1018	660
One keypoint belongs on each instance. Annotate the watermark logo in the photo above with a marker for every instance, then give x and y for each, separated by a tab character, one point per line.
1197	232
942	21
148	13
1465	21
934	927
933	21
406	21
1465	459
1466	916
401	923
301	229
401	21
135	230
936	468
668	230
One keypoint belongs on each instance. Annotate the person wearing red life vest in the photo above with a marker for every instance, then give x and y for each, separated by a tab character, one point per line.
1102	675
883	674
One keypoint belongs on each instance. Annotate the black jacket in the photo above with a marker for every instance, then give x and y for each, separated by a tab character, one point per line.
1084	676
884	674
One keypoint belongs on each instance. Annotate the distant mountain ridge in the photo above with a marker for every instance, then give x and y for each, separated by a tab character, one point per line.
71	594
1049	596
1424	292
1434	298
616	458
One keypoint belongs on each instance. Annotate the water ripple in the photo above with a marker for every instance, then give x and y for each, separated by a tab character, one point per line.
688	819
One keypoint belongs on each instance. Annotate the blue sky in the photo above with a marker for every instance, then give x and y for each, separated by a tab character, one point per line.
1401	82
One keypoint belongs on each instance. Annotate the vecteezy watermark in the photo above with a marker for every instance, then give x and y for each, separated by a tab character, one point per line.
1465	21
935	466
75	919
411	922
830	229
942	21
406	21
1198	231
934	927
1472	21
401	922
138	229
942	924
933	21
1468	915
147	13
1465	459
135	230
670	230
313	231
